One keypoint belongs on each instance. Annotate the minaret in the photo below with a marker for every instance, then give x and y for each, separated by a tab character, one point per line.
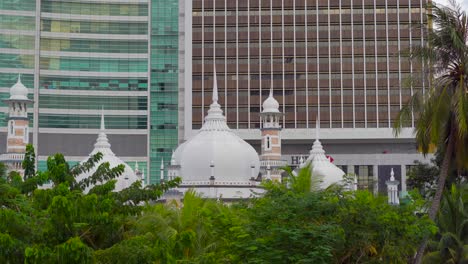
18	127
392	189
162	171
271	139
173	170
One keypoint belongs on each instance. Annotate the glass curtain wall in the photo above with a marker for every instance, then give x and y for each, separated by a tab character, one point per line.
164	83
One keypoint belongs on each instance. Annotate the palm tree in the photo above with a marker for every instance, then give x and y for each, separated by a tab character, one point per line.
453	229
443	110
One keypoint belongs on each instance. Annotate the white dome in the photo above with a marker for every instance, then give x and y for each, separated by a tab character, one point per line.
18	91
322	167
215	143
270	105
127	178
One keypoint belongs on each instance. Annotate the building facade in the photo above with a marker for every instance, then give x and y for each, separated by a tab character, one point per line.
340	62
80	56
149	64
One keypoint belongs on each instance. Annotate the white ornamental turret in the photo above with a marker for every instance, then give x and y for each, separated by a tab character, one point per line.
270	157
162	170
392	189
18	126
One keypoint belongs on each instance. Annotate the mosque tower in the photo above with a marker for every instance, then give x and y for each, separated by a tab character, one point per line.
270	157
18	127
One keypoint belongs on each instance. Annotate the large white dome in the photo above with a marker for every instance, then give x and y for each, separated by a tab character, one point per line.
18	91
102	145
216	144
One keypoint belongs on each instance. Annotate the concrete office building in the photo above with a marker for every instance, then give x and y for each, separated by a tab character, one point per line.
335	60
80	56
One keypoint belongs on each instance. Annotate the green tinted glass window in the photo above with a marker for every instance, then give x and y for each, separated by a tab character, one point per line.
92	102
102	9
82	121
26	5
17	22
93	64
94	27
78	45
16	61
103	84
164	82
12	41
9	79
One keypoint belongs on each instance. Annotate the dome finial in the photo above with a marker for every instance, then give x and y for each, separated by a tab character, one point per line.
19	78
317	127
103	126
102	141
215	85
271	89
392	175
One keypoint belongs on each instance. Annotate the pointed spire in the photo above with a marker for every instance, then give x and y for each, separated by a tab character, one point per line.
19	78
317	128
103	126
271	89
215	85
102	142
392	175
215	119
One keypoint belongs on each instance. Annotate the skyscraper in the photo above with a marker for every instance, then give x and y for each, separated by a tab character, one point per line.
80	56
336	61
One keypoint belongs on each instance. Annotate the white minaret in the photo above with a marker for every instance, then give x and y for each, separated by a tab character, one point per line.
392	189
162	170
18	127
270	158
173	170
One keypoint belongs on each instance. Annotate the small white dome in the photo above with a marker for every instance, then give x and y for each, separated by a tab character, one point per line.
127	178
322	167
215	143
270	105
18	91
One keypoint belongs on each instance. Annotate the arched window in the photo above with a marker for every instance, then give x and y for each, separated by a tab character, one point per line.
268	142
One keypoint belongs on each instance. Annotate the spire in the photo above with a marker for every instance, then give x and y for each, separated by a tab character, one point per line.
215	119
317	128
102	142
215	85
19	78
392	175
136	166
271	89
103	126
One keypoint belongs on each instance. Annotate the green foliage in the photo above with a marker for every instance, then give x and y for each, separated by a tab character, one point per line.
450	245
3	170
288	224
29	162
62	224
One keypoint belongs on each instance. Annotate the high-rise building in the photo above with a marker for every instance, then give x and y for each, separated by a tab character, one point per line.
149	65
336	61
79	57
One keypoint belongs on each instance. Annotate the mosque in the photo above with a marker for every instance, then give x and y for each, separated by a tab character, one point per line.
215	162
